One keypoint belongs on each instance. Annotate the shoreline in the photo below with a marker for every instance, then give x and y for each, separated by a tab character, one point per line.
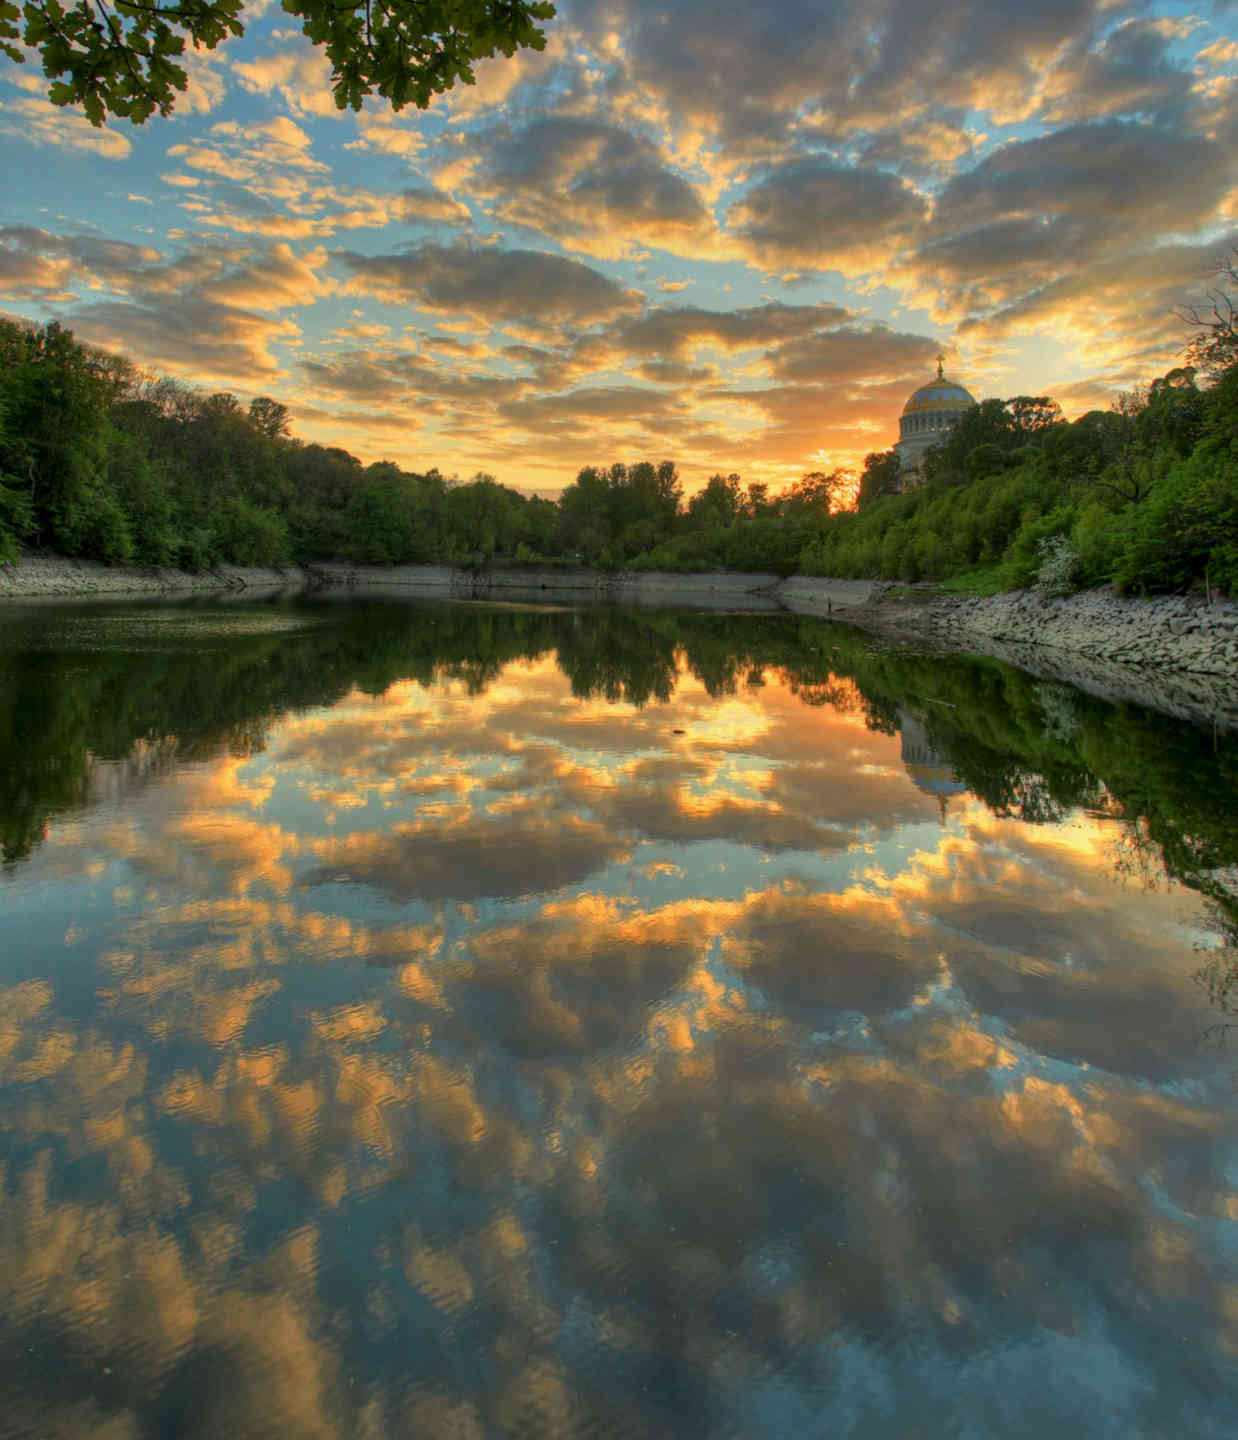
1177	654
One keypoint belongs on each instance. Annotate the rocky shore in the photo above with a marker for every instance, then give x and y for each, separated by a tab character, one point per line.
52	577
1181	632
1177	654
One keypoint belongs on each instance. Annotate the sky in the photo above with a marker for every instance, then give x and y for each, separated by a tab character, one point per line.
732	236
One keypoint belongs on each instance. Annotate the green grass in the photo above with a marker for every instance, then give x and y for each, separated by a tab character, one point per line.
974	582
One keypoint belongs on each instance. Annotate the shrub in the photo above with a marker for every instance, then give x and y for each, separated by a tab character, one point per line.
1059	566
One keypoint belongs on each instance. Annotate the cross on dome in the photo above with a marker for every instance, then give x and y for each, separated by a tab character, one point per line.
941	366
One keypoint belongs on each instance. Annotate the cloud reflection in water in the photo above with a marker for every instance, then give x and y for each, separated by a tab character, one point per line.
495	1061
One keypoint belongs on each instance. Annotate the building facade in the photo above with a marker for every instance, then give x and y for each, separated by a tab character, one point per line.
927	416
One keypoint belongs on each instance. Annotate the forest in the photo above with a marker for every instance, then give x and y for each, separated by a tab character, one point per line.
99	460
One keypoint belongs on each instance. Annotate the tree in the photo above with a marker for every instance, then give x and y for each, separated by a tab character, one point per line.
120	58
814	495
718	504
1215	323
879	477
1031	416
269	417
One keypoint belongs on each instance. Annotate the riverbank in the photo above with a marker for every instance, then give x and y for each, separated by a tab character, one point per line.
1176	654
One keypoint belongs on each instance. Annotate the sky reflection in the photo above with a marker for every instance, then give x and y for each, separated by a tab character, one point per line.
485	1060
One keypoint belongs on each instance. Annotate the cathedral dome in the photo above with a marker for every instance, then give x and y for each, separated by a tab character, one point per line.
927	417
938	395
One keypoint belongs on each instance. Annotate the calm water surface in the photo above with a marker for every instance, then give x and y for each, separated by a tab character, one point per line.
437	1021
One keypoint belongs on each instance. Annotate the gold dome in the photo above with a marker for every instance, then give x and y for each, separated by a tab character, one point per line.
939	396
926	420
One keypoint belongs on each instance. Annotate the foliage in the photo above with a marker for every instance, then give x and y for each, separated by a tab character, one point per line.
123	60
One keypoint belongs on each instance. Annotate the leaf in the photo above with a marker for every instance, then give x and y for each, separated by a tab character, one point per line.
406	51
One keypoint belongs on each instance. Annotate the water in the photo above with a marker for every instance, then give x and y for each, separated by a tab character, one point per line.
458	1021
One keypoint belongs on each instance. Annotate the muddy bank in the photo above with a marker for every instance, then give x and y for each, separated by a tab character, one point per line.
569	584
573	584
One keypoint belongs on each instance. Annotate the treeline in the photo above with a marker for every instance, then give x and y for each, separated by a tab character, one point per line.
100	461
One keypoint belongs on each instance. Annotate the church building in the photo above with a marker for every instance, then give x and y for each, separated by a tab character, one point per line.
927	415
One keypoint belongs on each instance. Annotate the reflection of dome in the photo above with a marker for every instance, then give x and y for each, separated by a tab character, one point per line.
926	768
928	415
936	780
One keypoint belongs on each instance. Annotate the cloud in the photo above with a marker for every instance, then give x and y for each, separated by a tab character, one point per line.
205	341
595	408
299	73
26	276
848	353
263	179
1124	312
386	377
387	133
1129	73
207	86
200	312
491	286
747	77
426	205
591	185
505	857
1055	227
817	213
676	332
1082	182
36	262
274	279
43	123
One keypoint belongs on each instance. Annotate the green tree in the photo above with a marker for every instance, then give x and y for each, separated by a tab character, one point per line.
122	59
1031	415
269	417
814	495
879	477
720	502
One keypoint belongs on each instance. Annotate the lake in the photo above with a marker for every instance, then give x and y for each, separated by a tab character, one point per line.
443	1020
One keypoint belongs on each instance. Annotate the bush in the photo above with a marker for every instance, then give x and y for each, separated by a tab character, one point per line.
1187	528
1059	566
1097	537
249	534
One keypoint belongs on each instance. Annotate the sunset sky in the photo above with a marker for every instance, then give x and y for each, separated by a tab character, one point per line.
731	235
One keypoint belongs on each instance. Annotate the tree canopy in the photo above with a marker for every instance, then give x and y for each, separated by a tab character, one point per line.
119	57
